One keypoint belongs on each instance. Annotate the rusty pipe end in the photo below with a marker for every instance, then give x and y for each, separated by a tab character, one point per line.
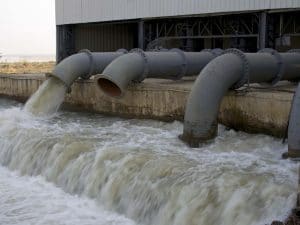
109	86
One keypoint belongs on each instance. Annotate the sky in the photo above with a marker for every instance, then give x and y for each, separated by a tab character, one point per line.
27	27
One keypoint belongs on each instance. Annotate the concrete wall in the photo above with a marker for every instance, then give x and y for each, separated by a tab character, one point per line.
255	110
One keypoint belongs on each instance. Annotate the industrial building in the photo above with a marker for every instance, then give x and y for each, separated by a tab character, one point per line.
191	25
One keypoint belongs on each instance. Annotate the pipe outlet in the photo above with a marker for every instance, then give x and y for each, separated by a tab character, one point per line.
116	77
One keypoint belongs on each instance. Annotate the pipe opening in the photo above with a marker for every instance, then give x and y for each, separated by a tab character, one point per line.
109	87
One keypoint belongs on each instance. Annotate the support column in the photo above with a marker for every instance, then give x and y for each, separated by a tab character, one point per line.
141	34
189	42
65	42
262	30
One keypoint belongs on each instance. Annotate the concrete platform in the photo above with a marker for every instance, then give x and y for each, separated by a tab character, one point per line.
254	109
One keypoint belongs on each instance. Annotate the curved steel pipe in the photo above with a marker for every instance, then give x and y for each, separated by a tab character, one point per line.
83	64
138	65
294	127
231	70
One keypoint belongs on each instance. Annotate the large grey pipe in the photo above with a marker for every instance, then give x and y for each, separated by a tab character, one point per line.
83	64
138	65
294	127
231	70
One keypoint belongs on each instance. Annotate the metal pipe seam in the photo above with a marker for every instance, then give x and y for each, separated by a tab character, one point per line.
146	65
92	63
245	77
294	51
280	63
138	65
183	70
218	77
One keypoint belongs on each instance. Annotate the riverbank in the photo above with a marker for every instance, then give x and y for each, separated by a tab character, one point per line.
26	67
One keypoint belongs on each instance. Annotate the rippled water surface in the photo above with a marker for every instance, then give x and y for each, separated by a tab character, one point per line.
80	168
32	200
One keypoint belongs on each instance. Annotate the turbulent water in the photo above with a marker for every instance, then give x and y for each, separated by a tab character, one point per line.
31	200
136	169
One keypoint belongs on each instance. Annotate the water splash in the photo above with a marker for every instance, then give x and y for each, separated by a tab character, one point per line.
140	168
47	99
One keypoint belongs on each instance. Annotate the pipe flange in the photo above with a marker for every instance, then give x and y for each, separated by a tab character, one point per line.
280	63
296	51
146	65
183	70
246	75
92	64
122	50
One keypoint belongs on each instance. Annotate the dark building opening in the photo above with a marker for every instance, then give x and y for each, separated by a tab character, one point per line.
248	32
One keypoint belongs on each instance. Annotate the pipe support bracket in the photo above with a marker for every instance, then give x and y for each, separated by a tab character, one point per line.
280	64
245	78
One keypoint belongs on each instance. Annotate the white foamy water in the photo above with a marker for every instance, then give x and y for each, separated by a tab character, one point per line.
140	169
32	200
47	99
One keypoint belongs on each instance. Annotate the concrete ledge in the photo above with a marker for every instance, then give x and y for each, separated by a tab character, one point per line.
255	110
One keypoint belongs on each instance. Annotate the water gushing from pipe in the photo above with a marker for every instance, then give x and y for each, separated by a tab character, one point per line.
47	99
51	93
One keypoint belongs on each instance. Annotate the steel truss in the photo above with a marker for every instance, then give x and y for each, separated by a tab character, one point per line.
236	26
289	24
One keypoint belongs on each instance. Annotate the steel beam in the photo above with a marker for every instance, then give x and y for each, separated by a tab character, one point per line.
262	30
141	34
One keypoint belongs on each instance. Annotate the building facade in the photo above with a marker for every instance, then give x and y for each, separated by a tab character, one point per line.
192	25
